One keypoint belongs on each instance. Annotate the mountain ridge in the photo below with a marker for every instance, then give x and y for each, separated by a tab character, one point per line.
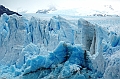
3	10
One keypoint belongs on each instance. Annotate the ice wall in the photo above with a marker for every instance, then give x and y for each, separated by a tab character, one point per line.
32	48
18	32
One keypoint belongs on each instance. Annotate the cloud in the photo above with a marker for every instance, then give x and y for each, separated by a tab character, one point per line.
34	5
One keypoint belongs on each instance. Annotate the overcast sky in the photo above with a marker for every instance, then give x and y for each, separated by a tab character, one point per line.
34	5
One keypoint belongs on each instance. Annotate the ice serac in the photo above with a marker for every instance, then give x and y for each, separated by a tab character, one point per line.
88	34
57	49
62	30
13	38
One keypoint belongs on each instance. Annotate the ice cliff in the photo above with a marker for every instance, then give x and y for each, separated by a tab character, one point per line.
57	49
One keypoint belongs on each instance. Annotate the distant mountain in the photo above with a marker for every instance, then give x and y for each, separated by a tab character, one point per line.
101	11
109	7
7	11
44	11
107	10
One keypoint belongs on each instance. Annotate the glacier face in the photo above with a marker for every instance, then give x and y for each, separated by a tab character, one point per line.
57	48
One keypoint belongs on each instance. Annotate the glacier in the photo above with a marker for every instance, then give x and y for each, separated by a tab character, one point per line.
58	48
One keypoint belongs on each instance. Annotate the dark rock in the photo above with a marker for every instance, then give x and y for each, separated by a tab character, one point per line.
7	11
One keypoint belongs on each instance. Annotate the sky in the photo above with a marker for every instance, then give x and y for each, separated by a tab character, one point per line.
32	6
